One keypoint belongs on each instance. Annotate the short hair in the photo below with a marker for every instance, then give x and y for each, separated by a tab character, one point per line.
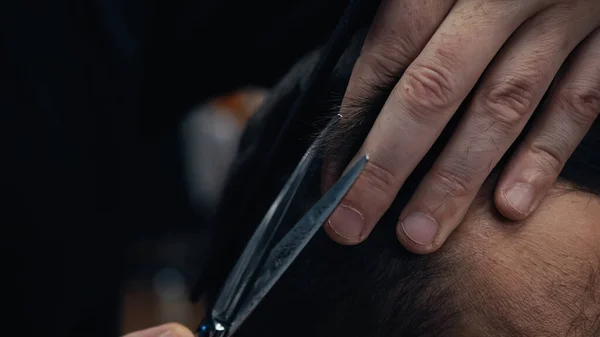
377	288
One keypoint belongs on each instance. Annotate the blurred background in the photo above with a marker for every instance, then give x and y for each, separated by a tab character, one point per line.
114	148
161	268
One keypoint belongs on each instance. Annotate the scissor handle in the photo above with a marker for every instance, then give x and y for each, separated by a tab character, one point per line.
210	328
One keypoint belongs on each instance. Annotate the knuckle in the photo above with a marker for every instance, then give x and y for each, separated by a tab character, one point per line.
385	67
453	182
388	55
581	104
547	158
510	102
379	178
427	89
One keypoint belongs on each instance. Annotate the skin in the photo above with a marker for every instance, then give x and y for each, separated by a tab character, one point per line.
512	50
538	277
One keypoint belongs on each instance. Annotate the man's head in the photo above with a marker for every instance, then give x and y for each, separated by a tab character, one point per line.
538	277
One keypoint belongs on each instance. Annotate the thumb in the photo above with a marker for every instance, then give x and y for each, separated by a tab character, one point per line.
165	330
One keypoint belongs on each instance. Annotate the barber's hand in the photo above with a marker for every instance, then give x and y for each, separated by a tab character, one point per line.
165	330
445	46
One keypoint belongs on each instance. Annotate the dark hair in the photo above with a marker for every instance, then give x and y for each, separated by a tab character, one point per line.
376	288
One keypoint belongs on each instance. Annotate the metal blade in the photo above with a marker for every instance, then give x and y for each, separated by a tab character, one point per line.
286	251
229	300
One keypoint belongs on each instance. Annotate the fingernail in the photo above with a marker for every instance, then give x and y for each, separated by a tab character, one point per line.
165	330
167	333
520	197
176	331
347	222
420	228
157	331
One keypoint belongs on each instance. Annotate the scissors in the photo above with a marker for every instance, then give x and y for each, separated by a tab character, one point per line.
257	269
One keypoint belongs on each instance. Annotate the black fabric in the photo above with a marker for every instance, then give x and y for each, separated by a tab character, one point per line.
66	85
89	91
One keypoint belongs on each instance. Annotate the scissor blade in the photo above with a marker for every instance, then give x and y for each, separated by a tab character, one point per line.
286	251
230	297
228	301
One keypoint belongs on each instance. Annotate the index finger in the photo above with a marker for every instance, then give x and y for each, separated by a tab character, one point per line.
421	104
399	32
